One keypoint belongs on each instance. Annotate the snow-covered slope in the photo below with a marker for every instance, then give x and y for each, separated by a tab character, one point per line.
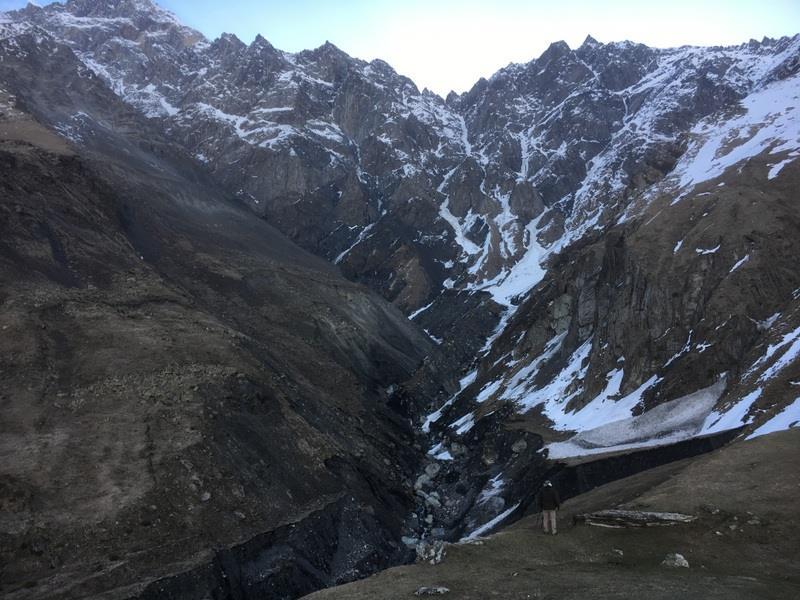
497	179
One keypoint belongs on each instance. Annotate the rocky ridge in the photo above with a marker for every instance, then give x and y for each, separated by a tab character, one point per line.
180	379
345	156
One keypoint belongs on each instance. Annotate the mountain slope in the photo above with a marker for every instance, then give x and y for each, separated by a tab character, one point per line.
680	320
178	376
404	191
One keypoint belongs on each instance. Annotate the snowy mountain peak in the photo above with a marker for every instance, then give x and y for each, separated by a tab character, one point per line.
261	42
555	50
229	40
115	17
590	42
119	9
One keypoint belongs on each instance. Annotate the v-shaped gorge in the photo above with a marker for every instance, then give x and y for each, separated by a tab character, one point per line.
596	250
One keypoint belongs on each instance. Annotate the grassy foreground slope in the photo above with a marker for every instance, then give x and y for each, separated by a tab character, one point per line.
744	544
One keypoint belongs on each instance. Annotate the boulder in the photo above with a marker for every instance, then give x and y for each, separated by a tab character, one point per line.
633	518
431	552
675	561
432	591
422	481
432	470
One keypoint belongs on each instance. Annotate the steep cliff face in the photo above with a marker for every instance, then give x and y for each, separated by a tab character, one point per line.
666	327
403	190
178	377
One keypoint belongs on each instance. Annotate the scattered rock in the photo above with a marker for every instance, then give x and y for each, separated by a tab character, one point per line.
422	481
205	497
675	561
430	499
519	446
432	591
473	542
495	505
431	552
457	449
633	518
432	470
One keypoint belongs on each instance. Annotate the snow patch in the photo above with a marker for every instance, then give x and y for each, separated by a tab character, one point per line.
464	424
735	416
437	414
770	121
557	394
787	358
702	251
788	418
667	423
739	263
775	169
524	274
419	311
494	487
363	235
791	339
686	347
488	526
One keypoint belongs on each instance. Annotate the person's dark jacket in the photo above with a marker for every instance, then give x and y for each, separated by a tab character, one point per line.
548	499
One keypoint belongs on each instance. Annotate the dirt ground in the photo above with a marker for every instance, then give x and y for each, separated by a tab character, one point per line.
744	544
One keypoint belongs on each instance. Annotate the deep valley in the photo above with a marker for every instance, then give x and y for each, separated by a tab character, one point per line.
276	322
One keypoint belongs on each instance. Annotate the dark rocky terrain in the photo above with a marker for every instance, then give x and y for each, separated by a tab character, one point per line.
599	244
178	377
743	543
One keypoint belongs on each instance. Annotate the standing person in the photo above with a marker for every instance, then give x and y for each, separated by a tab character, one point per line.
549	503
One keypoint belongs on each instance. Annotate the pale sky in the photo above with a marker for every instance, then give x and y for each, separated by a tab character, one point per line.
450	44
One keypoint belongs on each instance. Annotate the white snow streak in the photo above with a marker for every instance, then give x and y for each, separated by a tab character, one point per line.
788	418
740	263
770	122
488	526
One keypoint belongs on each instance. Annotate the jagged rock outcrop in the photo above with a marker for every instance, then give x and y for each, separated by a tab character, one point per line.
405	191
